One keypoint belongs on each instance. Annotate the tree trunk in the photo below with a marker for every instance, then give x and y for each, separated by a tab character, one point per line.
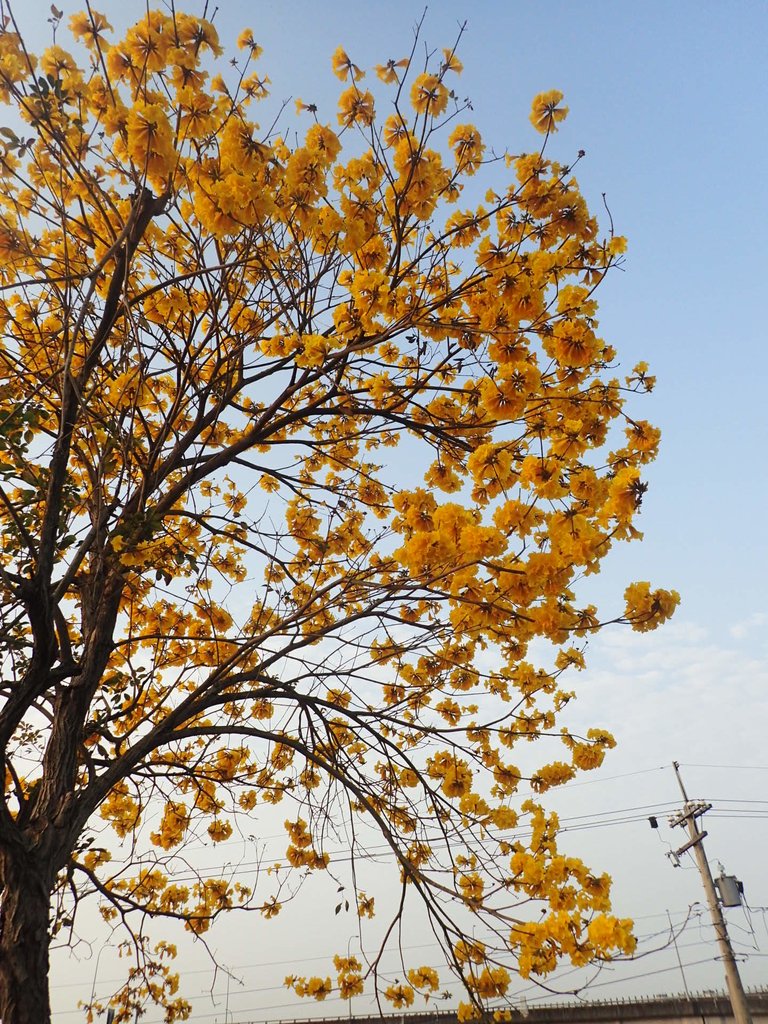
24	939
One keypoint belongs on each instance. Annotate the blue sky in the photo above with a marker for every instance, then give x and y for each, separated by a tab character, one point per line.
668	101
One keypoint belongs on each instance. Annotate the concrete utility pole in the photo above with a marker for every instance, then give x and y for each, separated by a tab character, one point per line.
688	816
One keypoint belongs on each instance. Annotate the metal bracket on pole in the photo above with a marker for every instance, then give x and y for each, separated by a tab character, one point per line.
691	842
691	812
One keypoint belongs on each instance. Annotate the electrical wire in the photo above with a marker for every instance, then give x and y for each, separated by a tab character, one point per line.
619	816
633	977
374	853
399	1017
728	767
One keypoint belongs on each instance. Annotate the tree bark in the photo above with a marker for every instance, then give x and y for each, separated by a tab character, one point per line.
24	940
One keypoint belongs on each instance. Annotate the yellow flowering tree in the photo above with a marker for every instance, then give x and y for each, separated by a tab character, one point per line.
299	452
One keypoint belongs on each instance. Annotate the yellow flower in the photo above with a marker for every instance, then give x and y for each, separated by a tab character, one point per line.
388	72
586	756
356	107
174	824
607	932
121	810
319	988
350	985
647	609
467	146
555	774
424	978
491	983
271	908
457	780
451	62
343	66
575	344
150	138
467	951
255	87
54	60
365	905
429	95
312	350
94	858
196	119
467	1012
88	26
245	41
472	888
399	995
505	818
148	43
545	112
219	830
196	34
626	494
322	141
248	799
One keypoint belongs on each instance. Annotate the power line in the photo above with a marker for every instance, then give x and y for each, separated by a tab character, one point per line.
631	815
689	919
619	981
596	817
619	816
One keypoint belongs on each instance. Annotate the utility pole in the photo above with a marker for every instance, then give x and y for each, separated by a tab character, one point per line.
688	817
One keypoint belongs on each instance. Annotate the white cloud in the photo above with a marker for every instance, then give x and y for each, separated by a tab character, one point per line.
740	630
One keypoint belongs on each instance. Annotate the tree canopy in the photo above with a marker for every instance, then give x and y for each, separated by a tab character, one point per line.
302	445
